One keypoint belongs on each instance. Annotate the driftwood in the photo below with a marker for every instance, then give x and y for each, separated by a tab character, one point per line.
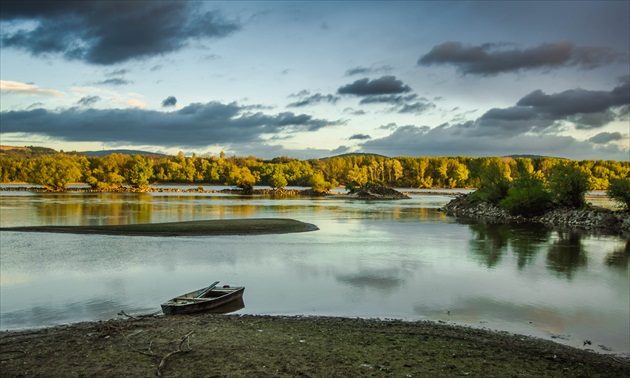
186	339
121	328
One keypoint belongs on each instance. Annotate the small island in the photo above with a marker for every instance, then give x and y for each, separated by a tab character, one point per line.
376	192
589	217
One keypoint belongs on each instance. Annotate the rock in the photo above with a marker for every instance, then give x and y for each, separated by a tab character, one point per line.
376	192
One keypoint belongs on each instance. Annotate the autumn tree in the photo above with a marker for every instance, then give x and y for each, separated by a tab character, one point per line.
106	172
138	170
619	191
319	183
55	172
278	180
494	178
243	178
569	184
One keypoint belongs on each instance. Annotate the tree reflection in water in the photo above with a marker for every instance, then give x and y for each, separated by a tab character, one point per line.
490	242
566	255
619	258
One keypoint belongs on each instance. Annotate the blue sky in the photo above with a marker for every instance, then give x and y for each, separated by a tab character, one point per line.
315	79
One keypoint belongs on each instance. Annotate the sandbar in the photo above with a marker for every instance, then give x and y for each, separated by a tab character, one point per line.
253	226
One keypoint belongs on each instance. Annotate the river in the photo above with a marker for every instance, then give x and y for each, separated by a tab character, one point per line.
386	259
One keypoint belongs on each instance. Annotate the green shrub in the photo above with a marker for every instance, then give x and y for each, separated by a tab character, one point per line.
569	184
319	183
619	191
527	197
494	182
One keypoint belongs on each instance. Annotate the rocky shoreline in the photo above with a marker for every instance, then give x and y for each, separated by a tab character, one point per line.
591	218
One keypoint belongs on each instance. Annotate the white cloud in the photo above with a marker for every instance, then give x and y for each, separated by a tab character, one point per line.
26	89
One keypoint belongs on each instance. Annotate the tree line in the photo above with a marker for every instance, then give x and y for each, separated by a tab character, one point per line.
57	170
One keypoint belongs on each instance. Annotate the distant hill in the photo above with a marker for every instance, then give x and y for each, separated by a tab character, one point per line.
354	154
525	156
378	155
26	152
103	153
33	151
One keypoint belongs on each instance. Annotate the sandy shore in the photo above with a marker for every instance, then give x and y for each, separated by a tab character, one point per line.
208	345
255	226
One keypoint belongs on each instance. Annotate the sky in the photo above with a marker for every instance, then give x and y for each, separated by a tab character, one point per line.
311	79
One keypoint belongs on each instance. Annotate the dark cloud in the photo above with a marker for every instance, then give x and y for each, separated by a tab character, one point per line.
109	32
196	125
169	101
358	71
541	112
389	126
302	93
511	121
532	126
269	151
388	99
591	121
490	59
603	138
400	103
455	140
313	99
114	81
88	100
577	101
119	72
354	112
365	71
386	85
416	107
35	106
360	137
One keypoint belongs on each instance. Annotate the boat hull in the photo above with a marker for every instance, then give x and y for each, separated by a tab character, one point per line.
212	300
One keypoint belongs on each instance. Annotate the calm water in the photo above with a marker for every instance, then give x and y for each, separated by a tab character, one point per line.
399	259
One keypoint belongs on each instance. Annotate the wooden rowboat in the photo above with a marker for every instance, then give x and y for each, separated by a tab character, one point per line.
206	299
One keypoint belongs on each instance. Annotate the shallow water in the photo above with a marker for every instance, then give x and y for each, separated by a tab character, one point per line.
389	259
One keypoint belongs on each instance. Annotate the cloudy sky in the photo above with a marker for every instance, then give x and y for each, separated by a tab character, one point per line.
315	79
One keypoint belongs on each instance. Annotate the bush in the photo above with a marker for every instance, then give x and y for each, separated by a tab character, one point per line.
569	184
619	191
527	197
494	182
319	183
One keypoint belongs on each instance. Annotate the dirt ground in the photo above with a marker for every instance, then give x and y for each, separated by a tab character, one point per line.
208	345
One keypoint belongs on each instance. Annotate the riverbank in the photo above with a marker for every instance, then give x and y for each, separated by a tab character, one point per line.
254	226
591	218
207	345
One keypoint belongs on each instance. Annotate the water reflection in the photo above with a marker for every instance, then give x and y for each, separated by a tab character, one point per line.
232	306
128	208
372	259
384	280
565	250
85	209
490	242
619	258
566	255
